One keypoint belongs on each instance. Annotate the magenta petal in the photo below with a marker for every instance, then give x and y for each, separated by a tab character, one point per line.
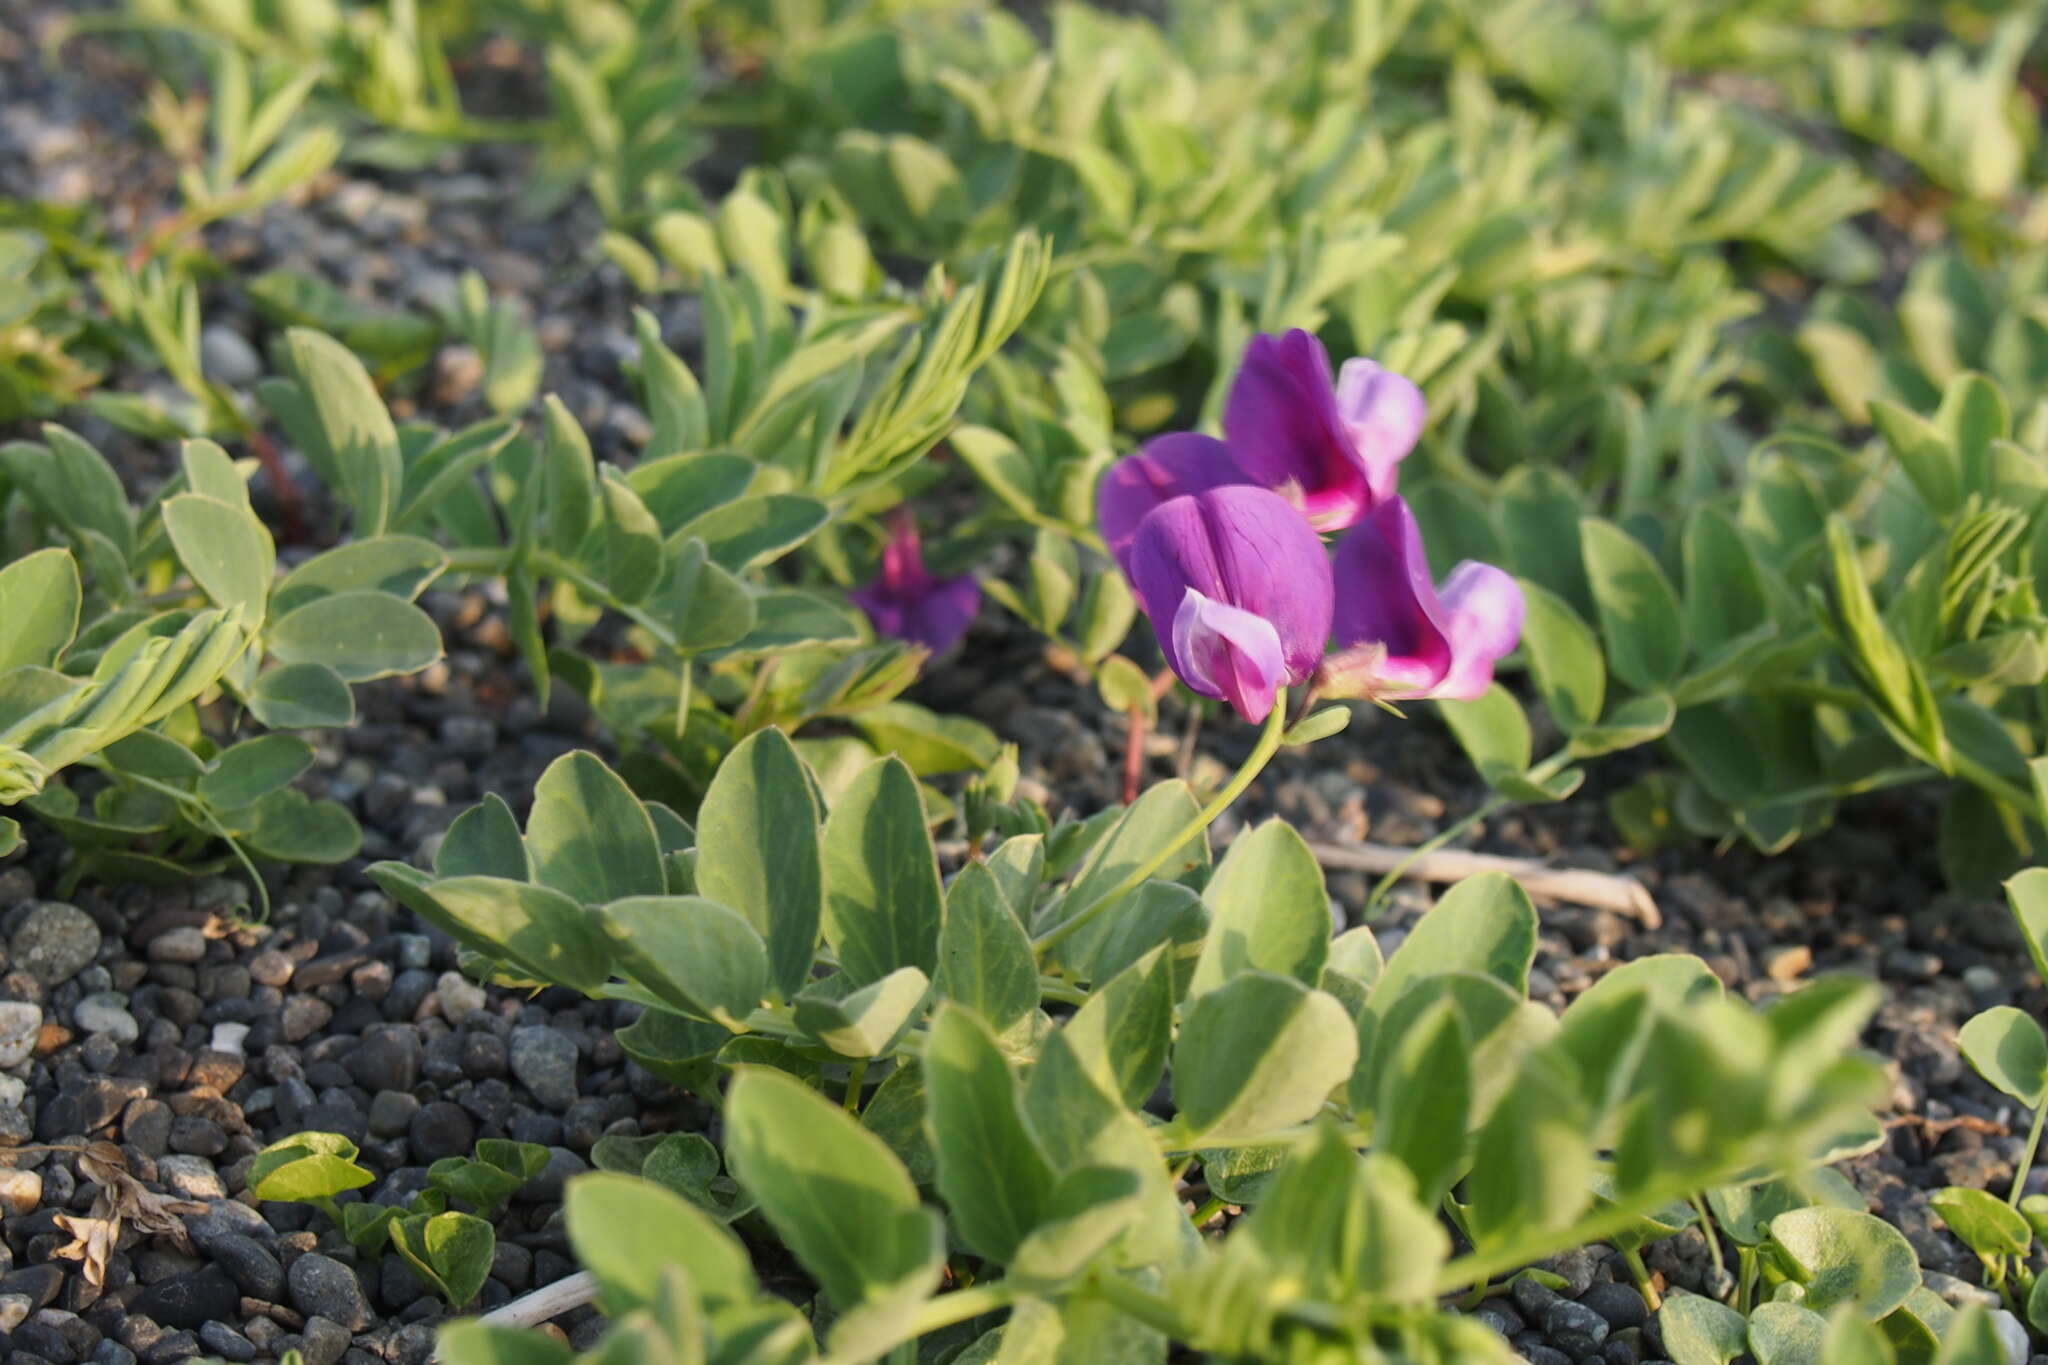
1229	653
1166	467
884	609
1484	607
1385	599
1383	412
1286	433
1244	547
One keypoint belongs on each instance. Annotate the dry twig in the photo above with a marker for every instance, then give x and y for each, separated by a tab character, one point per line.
1576	886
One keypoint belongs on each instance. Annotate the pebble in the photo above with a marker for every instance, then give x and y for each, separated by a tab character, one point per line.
20	1022
226	1342
459	996
229	1038
545	1063
20	1191
271	968
190	1300
193	1177
106	1013
324	1287
1574	1328
388	1058
227	357
323	1342
14	1310
2012	1336
1788	962
391	1113
185	945
54	942
441	1129
1620	1304
250	1266
303	1016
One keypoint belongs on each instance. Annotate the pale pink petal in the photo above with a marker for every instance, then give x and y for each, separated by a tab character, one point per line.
1384	413
1483	607
1230	653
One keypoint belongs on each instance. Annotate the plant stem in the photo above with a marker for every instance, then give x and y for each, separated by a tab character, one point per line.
856	1077
947	1309
1262	754
1141	1303
1209	1209
2019	1177
1385	885
1640	1273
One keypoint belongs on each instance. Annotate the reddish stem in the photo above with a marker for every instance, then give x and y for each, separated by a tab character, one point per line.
289	505
1134	754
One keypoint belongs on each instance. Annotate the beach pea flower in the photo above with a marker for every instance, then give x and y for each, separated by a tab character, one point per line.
1238	590
1398	635
906	602
1164	468
1332	451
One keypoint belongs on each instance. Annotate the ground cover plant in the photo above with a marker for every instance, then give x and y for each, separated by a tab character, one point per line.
977	511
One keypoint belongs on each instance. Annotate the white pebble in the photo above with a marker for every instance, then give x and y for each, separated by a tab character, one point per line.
459	996
191	1176
228	1038
20	1191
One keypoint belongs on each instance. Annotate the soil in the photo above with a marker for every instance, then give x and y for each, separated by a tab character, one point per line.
143	1016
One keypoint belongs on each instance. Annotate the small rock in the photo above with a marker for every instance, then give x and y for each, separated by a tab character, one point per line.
1620	1304
20	1022
250	1266
388	1058
323	1287
2012	1336
20	1191
1574	1328
185	944
271	968
441	1129
1787	962
226	1342
228	1038
14	1310
545	1063
1959	1293
106	1012
1532	1297
193	1177
458	369
225	356
459	996
1501	1317
54	942
303	1016
391	1113
323	1342
190	1300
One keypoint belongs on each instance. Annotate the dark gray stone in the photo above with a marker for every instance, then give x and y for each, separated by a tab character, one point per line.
254	1269
190	1300
324	1287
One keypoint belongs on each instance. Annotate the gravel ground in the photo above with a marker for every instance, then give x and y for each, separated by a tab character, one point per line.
141	1016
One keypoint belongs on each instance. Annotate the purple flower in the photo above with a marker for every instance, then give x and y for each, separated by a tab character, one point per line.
1400	636
1334	452
1238	589
1165	467
906	602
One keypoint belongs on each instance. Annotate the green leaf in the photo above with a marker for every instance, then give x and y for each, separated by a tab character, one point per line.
1564	659
627	1230
1493	732
633	544
1120	1036
1702	1331
253	769
472	1341
477	1183
674	401
833	1192
883	904
225	549
862	1021
1156	821
930	743
1425	1098
1724	589
1268	909
304	696
1785	1334
1639	616
1985	1223
693	953
2007	1048
1972	1340
1484	924
1532	1169
710	607
541	929
758	851
1895	682
755	530
306	1167
1929	458
39	597
1843	1256
359	635
1258	1053
402	566
360	442
2026	894
588	835
484	842
985	959
1852	1339
291	827
991	1173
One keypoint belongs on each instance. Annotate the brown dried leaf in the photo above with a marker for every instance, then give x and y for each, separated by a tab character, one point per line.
92	1242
